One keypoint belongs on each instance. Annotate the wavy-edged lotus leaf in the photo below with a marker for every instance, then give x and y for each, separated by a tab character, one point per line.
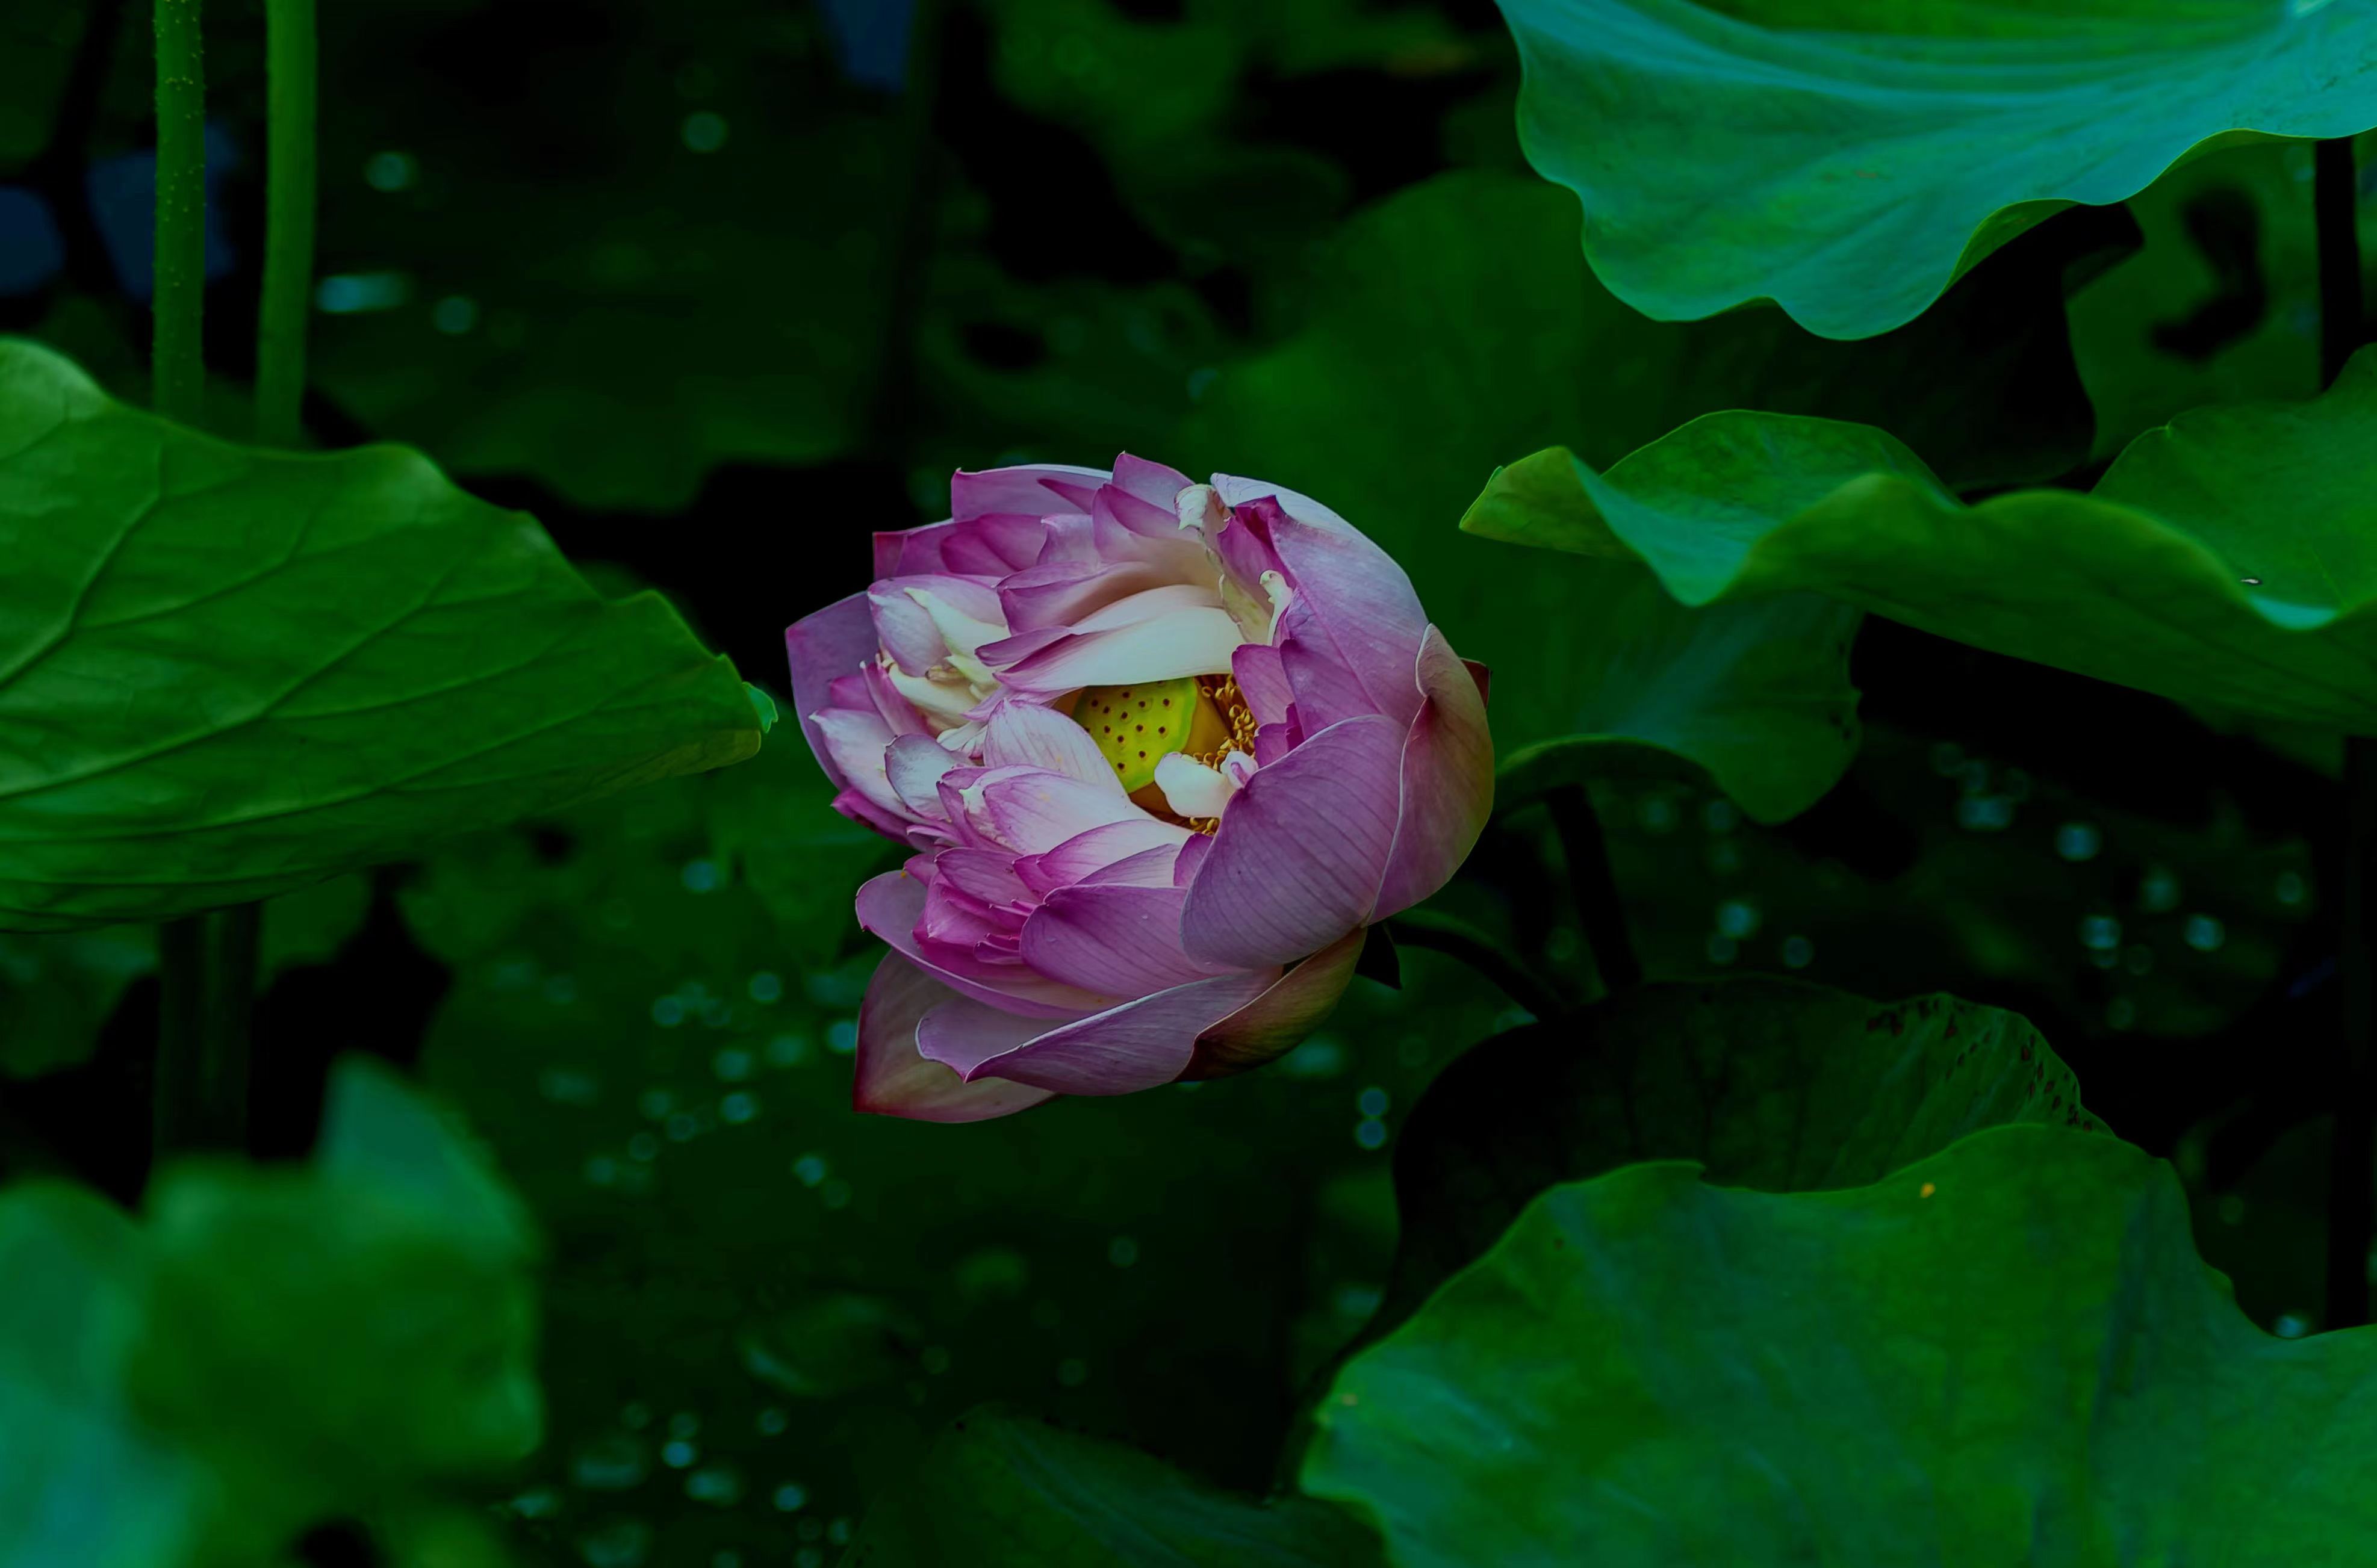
1458	320
2009	1353
1849	160
2226	558
226	673
1004	1489
1768	1083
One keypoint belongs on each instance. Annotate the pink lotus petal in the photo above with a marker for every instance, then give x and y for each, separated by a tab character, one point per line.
1192	856
1148	868
1191	640
995	546
888	906
1025	488
1137	1045
1087	853
1448	780
1033	811
1262	681
988	874
1058	593
853	747
1483	676
1278	1020
1237	491
895	1079
1120	941
838	640
1365	600
962	1035
1024	735
913	765
1326	687
1298	861
1150	483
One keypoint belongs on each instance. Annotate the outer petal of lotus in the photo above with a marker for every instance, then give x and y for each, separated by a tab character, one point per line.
1137	1045
1278	1020
1448	780
1031	490
836	641
893	1079
1298	861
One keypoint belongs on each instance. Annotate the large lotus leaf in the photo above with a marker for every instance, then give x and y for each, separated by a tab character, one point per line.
2007	1353
2230	557
1849	160
1001	1489
1767	1082
225	673
1458	318
328	1338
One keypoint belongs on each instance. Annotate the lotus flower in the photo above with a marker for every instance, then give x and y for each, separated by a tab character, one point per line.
1162	752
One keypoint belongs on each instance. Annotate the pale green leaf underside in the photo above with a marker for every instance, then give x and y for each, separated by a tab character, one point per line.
2230	557
2007	1353
225	673
1848	160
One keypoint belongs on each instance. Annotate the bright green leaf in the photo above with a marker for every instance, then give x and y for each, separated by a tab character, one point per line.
2007	1353
2230	557
1001	1489
225	673
1850	161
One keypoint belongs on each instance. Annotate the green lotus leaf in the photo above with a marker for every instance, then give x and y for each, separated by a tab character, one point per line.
1002	1489
2009	1353
1849	160
2227	558
1769	1084
226	673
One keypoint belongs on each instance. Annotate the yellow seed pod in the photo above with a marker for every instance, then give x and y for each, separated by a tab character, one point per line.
1135	726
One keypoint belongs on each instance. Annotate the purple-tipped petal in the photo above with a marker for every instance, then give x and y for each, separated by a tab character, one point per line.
1448	780
1278	1020
1299	859
1356	590
895	1079
1026	735
890	906
962	1035
838	640
1031	490
1034	811
1119	940
1262	681
1150	483
1086	854
1139	1045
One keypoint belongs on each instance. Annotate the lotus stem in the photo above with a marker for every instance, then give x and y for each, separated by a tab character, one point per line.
176	355
288	223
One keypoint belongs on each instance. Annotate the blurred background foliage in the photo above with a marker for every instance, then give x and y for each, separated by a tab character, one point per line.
716	288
